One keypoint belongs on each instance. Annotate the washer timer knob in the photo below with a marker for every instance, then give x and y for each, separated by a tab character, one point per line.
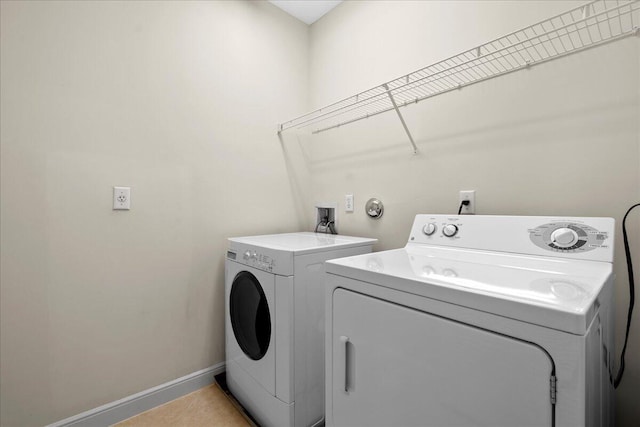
564	237
450	230
246	255
429	229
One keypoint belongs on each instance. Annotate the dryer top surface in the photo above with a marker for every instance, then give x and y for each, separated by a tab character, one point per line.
553	292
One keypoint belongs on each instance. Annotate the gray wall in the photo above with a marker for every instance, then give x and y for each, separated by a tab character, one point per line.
178	100
559	139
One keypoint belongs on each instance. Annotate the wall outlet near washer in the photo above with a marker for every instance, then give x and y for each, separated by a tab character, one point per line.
121	198
348	202
469	195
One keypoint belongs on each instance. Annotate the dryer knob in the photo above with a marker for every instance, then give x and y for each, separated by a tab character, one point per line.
429	229
564	237
450	230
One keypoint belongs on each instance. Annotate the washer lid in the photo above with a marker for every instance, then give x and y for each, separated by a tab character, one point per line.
557	293
304	242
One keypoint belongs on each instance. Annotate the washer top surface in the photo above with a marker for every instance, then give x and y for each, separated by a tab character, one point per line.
303	242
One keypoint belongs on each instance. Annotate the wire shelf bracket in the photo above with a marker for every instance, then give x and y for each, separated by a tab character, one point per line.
584	27
406	129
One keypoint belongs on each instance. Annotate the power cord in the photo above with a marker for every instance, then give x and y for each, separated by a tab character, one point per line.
632	293
329	226
322	222
463	203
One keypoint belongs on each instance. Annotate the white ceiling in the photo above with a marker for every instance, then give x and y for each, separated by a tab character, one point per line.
308	11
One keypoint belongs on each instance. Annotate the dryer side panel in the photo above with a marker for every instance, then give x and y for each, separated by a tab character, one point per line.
392	365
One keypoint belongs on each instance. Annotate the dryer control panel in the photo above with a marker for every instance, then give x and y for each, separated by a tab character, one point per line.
568	237
589	238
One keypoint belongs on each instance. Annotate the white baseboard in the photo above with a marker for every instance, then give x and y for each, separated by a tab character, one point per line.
120	410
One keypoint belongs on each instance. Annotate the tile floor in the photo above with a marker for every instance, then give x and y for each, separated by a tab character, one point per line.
208	406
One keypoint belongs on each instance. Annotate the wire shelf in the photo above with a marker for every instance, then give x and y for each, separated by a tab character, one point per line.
587	26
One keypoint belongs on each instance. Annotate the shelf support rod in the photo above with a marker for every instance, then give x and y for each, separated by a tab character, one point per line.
406	129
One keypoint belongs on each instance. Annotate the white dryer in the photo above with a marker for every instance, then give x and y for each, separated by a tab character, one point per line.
477	321
274	323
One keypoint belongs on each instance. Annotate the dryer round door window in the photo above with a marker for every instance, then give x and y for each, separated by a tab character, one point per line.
250	317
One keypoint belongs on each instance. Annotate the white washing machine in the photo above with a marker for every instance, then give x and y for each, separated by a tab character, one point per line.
274	323
477	321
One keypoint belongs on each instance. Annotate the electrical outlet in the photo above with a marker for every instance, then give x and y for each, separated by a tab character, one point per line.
348	203
469	195
121	198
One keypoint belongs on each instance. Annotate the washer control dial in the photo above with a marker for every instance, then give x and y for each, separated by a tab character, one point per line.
429	229
564	237
246	255
450	230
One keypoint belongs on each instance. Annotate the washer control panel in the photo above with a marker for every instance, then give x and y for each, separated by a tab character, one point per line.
568	237
254	259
